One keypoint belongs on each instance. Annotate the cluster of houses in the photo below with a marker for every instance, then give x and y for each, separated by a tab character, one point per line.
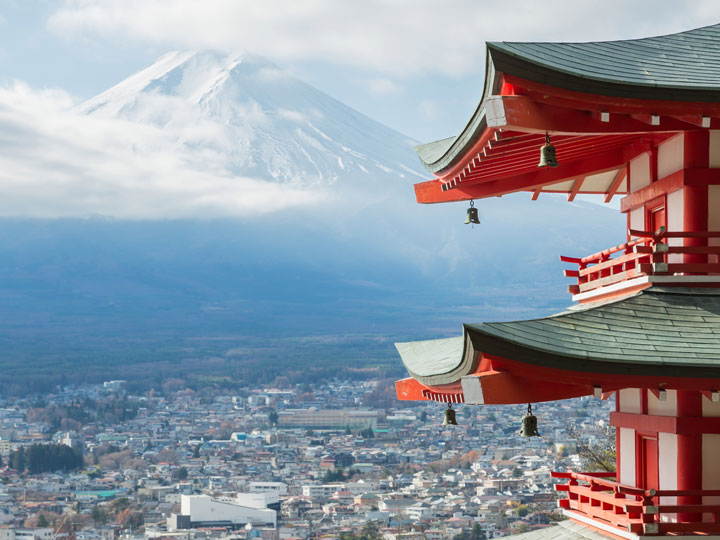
282	464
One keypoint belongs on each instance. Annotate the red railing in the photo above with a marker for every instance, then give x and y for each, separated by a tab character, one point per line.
600	498
647	255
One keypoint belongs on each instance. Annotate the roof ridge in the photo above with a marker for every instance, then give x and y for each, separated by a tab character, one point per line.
646	38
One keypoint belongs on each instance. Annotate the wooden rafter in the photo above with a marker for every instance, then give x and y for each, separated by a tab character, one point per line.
615	184
576	188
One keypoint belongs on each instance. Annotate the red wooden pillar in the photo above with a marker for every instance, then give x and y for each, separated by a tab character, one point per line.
689	453
695	198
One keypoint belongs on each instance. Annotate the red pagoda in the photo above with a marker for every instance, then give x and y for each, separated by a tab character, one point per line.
638	119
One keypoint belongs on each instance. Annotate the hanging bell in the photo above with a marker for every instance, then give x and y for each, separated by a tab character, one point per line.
449	419
472	215
547	154
529	424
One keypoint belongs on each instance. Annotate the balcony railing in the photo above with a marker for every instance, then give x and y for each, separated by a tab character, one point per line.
649	254
597	499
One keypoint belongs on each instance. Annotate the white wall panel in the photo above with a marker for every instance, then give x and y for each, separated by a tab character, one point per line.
674	212
627	456
670	156
710	408
714	218
631	400
637	219
667	464
715	149
639	172
663	408
711	466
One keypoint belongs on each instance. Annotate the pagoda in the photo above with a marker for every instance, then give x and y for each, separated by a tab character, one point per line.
637	119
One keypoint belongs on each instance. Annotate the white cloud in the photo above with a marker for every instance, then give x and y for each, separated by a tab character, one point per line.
428	108
394	36
381	86
57	163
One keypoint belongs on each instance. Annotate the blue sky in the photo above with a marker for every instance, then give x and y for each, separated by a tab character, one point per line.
416	65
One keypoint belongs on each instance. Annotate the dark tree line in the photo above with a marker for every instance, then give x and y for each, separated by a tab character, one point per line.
39	458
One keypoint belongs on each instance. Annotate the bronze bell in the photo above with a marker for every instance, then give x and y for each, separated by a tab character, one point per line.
472	215
547	154
449	419
529	424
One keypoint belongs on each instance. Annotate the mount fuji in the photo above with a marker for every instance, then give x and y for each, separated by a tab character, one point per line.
325	284
266	123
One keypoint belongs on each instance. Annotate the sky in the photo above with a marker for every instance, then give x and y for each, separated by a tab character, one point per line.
414	65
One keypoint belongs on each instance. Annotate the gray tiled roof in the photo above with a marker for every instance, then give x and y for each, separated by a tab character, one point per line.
433	355
564	530
675	332
685	60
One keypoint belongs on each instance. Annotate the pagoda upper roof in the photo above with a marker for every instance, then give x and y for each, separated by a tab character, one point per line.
682	67
672	332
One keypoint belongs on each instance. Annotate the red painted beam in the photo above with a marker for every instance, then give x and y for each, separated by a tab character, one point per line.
666	185
665	424
504	388
700	176
599	103
522	113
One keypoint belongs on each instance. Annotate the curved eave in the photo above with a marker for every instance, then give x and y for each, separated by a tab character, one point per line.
440	155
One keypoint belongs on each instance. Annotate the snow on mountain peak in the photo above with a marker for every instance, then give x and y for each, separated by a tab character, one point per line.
268	124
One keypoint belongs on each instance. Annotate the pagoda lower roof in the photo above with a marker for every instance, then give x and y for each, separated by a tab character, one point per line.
563	530
672	333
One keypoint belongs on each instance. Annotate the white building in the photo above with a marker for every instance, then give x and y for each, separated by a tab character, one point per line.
26	533
320	490
205	511
280	488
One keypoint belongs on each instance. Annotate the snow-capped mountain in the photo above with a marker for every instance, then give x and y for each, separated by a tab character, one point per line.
266	123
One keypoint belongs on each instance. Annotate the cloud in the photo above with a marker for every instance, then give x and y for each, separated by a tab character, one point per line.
383	86
393	36
428	108
58	163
